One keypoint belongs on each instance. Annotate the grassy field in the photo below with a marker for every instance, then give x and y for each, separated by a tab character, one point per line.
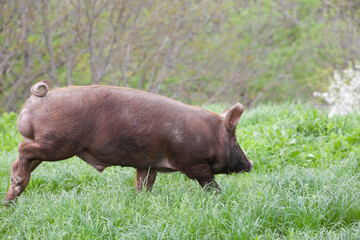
305	185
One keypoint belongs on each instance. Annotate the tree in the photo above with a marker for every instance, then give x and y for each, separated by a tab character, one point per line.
196	51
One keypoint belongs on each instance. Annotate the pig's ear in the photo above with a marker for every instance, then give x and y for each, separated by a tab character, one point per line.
233	115
223	113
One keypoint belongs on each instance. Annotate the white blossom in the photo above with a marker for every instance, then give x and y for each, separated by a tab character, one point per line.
343	95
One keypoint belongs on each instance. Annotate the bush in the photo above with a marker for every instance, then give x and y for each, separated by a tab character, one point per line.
343	95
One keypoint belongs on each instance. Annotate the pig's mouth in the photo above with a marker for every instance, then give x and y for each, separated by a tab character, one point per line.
250	167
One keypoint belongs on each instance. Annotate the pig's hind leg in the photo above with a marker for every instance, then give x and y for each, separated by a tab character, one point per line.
20	176
31	154
145	178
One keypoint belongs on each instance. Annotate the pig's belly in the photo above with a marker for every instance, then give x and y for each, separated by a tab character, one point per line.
100	163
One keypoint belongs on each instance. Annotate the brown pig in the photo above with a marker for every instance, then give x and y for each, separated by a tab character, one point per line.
115	126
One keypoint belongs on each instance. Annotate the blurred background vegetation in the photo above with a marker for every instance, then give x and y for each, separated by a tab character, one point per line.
198	51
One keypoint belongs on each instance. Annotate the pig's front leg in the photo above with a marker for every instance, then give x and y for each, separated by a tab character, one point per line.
203	174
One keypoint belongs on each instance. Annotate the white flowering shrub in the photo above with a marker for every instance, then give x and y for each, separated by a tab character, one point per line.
343	95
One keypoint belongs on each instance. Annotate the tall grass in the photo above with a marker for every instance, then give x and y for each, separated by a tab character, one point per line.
305	185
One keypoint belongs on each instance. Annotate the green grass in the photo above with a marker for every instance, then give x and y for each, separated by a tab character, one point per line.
305	185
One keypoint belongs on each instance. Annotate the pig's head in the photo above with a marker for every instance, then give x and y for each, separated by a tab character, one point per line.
235	160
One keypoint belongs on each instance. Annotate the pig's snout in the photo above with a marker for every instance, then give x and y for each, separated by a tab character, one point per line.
248	169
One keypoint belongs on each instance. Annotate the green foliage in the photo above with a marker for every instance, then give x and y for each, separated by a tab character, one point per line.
283	44
9	136
195	51
305	185
297	135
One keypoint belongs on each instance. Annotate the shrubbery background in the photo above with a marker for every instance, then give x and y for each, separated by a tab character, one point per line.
195	51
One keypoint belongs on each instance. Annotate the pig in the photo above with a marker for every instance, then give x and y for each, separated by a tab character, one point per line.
117	126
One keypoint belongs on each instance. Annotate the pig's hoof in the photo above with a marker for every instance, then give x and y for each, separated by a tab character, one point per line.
8	202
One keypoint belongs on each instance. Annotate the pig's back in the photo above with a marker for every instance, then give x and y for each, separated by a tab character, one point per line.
102	110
